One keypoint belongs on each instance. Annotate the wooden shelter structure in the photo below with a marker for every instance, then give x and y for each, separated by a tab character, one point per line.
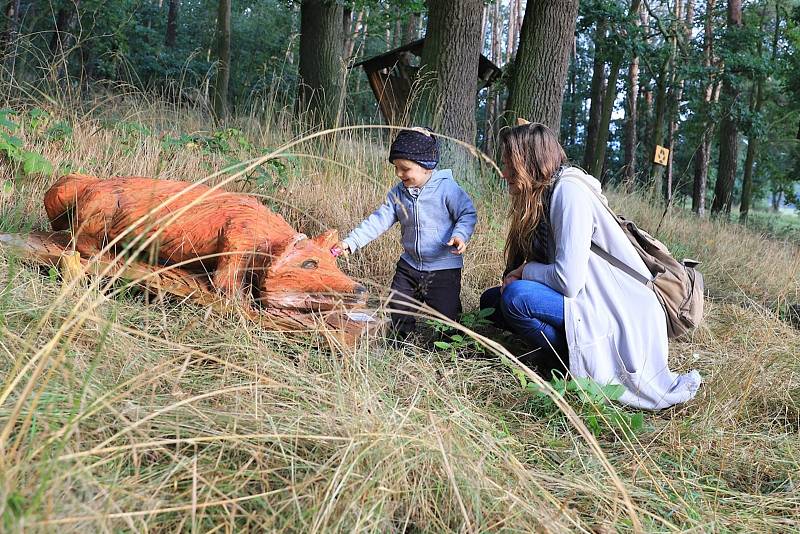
392	76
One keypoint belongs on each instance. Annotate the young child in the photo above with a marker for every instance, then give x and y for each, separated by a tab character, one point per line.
437	219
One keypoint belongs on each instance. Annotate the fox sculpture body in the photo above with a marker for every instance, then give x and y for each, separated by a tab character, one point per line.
240	242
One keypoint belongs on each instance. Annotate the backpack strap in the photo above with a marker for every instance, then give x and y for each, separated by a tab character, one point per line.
624	267
613	260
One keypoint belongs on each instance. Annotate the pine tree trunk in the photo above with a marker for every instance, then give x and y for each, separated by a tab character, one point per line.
352	34
677	91
10	32
645	130
511	36
172	24
701	156
540	67
596	169
729	129
223	55
410	32
631	100
450	64
320	67
597	92
753	142
492	96
62	21
572	127
659	123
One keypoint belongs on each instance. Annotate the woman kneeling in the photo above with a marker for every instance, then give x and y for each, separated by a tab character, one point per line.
579	311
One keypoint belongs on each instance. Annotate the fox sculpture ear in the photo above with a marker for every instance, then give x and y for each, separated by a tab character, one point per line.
327	239
522	122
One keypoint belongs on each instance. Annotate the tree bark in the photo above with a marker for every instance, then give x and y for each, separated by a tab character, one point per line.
320	68
223	56
729	129
701	156
677	89
631	138
352	34
597	92
410	29
659	122
540	67
172	24
572	89
11	29
511	36
754	139
450	67
492	97
598	162
63	20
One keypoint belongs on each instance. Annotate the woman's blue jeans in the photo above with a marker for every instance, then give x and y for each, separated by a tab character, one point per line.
535	312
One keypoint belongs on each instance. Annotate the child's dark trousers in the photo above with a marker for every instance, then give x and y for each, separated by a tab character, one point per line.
441	290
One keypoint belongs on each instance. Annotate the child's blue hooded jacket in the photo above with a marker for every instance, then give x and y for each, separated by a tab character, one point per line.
441	211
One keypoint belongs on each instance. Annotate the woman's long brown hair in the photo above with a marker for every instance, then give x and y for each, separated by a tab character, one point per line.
534	155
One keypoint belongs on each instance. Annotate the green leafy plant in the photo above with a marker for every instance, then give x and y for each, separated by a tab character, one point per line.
59	131
457	343
592	401
12	147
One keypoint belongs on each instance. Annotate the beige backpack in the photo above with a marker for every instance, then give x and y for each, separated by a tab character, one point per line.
677	284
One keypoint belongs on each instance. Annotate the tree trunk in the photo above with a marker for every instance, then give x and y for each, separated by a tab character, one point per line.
410	30
597	92
572	88
610	95
701	156
172	24
511	36
659	122
630	114
320	67
223	55
677	90
11	29
450	64
63	20
729	129
777	196
492	97
352	34
540	67
753	142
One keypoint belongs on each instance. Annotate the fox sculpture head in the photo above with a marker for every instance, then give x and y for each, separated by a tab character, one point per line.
303	274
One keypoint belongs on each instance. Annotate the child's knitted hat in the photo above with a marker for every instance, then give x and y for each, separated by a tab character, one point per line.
416	145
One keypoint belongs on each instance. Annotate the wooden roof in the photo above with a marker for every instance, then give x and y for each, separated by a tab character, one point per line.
392	76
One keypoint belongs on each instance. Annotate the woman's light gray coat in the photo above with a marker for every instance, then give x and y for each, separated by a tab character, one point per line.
615	326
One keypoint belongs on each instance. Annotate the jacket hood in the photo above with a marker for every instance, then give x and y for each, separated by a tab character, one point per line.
579	175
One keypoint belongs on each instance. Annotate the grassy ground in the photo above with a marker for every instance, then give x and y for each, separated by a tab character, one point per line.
117	414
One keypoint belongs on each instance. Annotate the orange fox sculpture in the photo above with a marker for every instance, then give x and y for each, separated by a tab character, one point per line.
243	244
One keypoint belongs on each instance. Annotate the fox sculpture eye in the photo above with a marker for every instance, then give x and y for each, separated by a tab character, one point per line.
310	264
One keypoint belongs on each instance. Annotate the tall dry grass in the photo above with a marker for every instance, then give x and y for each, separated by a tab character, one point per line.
128	415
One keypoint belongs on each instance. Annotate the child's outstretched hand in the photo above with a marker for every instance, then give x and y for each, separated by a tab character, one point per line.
340	248
459	245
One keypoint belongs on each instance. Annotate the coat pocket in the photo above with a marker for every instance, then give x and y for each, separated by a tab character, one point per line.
430	242
602	361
